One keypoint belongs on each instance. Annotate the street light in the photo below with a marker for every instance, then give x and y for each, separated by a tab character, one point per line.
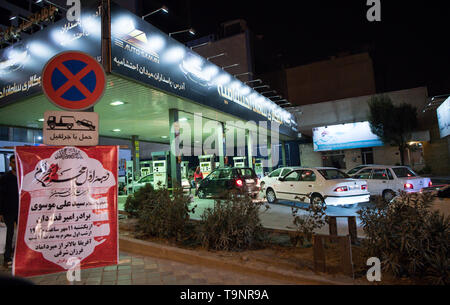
253	81
215	56
191	31
164	9
263	86
56	5
20	17
242	74
201	45
271	91
230	66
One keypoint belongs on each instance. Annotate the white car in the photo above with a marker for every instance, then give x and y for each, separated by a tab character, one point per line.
136	185
387	181
321	184
274	175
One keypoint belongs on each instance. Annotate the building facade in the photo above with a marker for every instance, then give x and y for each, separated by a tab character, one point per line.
427	151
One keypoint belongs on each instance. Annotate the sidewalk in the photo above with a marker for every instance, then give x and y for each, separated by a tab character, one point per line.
144	270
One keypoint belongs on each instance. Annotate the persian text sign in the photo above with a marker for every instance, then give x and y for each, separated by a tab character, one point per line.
67	208
66	128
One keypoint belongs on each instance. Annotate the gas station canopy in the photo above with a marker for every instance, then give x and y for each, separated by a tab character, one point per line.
150	74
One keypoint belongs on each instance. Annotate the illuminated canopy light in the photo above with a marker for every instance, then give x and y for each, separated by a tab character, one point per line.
155	43
62	38
117	103
92	25
123	25
116	130
222	79
245	90
174	54
211	71
39	49
235	85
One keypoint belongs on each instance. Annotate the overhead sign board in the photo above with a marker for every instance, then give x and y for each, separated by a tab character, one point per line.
344	136
70	128
21	64
443	114
142	52
73	80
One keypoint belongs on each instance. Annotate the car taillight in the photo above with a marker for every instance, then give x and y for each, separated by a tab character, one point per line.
341	189
409	186
364	187
239	182
430	184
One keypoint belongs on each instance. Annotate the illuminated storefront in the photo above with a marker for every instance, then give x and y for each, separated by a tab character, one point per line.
153	82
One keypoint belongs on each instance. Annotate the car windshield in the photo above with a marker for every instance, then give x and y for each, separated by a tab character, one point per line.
404	172
354	170
246	173
332	174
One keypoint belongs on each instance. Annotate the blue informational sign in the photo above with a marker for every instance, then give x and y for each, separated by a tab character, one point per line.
22	63
344	136
142	52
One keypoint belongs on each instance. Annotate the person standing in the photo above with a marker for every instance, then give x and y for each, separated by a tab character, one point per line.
9	207
198	176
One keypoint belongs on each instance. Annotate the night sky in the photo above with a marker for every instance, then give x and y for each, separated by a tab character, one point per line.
409	46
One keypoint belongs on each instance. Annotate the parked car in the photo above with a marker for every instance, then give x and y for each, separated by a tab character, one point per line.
136	185
321	184
229	178
358	168
274	176
387	181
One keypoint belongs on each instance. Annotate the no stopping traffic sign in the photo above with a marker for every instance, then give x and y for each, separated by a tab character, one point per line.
73	80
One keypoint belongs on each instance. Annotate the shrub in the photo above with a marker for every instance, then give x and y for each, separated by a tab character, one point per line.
233	224
160	214
408	238
306	224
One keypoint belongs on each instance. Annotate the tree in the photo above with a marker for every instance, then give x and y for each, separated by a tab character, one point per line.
393	124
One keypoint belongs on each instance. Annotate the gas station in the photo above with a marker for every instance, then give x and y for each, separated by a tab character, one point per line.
156	89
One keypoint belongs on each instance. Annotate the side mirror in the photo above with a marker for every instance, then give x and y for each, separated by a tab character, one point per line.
281	179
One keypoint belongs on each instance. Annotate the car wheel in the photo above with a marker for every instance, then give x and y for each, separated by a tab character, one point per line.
317	199
271	197
69	126
52	125
388	195
201	194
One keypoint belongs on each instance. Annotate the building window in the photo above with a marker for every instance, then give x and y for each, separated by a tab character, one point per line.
334	159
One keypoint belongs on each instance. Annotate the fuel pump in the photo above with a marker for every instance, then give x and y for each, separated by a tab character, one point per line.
184	169
239	161
259	168
146	168
160	168
129	175
207	164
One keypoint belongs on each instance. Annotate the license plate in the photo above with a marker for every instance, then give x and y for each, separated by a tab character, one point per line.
249	181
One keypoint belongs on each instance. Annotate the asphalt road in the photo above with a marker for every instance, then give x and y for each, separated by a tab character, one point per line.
279	215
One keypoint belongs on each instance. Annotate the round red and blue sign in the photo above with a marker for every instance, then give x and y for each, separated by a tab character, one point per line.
73	80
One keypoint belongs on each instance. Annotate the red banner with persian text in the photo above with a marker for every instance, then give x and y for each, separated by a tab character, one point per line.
67	208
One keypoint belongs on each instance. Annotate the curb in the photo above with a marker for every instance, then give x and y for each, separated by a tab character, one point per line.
136	246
